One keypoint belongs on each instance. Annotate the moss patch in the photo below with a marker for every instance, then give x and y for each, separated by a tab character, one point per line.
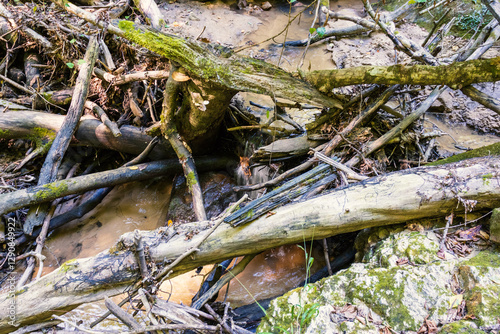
493	149
51	190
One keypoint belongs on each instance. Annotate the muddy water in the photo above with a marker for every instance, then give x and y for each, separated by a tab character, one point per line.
141	205
456	134
273	23
138	205
269	274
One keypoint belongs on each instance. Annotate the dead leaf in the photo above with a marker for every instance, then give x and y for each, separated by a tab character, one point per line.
470	234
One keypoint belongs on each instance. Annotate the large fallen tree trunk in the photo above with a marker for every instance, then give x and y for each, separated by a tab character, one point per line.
392	198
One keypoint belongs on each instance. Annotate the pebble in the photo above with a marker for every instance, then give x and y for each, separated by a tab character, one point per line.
266	6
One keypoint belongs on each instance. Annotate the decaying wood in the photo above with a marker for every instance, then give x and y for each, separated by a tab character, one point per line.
125	317
485	99
169	130
150	10
63	137
222	281
361	26
494	8
454	75
91	132
285	148
217	65
392	198
60	98
48	192
112	126
127	78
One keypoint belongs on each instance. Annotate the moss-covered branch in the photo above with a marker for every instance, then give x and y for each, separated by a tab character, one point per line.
455	75
213	63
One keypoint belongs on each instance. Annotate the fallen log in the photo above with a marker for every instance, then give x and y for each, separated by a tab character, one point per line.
91	132
48	192
212	63
388	199
458	74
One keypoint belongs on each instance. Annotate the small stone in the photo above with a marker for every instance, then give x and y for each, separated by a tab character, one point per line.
495	226
266	6
193	17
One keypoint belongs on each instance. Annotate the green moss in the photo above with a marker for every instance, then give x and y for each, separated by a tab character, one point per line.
484	259
50	190
249	214
190	55
493	149
69	265
486	179
4	133
42	138
459	327
191	180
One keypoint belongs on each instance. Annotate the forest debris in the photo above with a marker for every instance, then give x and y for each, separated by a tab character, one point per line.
112	126
228	276
150	10
350	173
91	132
39	194
412	194
64	136
126	318
285	148
169	131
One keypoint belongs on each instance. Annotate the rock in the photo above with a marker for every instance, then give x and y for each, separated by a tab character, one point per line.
369	296
266	6
495	226
217	191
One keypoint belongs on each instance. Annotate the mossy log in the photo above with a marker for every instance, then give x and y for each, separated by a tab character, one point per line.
214	64
48	192
393	198
31	124
456	75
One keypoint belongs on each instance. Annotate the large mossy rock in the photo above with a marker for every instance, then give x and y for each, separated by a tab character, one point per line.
401	283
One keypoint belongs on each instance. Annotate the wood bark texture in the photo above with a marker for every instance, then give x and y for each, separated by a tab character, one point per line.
458	74
393	198
91	132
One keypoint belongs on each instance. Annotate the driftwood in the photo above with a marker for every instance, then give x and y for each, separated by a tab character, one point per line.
150	10
494	8
62	139
485	99
91	132
48	192
392	198
285	148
